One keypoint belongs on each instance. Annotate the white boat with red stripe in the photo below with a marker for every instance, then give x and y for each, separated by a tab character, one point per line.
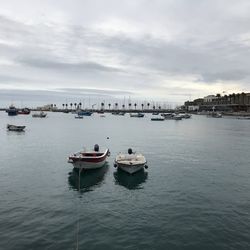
89	159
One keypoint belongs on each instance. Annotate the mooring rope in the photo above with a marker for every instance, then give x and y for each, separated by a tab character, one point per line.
78	216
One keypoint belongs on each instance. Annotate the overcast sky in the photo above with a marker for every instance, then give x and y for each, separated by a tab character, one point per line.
166	50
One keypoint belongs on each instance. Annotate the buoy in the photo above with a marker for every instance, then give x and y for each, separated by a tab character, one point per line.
146	166
115	165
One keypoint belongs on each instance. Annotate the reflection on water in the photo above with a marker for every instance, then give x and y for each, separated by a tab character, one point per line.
130	181
90	178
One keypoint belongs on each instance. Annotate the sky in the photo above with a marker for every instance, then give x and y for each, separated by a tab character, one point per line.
163	50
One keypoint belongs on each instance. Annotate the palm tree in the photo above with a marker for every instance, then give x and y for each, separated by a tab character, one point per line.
102	105
66	105
135	105
71	104
123	106
148	104
159	107
142	105
116	105
63	105
75	104
154	107
80	105
130	104
109	105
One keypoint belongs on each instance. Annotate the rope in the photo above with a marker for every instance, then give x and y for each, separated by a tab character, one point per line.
78	217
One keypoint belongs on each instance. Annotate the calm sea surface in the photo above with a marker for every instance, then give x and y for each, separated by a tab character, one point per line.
194	195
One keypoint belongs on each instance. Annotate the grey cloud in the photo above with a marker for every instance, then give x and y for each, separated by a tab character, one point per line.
58	65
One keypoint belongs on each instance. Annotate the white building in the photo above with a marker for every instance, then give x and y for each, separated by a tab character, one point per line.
209	98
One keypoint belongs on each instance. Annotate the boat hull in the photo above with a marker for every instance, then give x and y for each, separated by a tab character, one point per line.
88	165
131	169
88	162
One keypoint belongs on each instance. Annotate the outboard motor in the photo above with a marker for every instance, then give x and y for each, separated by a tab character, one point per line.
130	151
96	148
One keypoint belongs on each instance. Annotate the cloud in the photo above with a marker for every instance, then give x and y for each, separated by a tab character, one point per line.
170	49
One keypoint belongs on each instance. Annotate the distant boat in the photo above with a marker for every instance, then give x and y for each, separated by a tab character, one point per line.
78	117
172	116
186	116
100	112
39	115
157	118
24	111
214	115
15	128
139	115
89	159
130	162
243	118
84	113
118	113
177	117
12	111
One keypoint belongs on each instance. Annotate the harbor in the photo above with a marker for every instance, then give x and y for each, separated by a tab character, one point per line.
189	178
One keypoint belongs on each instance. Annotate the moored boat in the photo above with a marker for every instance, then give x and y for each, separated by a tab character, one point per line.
214	115
12	111
139	115
158	118
84	113
78	117
118	113
24	111
89	159
131	162
15	128
39	115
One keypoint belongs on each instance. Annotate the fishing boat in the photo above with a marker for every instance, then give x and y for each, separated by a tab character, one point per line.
12	111
131	162
24	111
84	113
89	159
39	115
15	128
139	115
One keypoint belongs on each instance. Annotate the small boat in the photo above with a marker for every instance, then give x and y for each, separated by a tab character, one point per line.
118	113
130	162
243	117
100	112
160	118
89	159
214	115
186	116
168	116
84	113
177	117
39	115
139	115
15	128
78	117
12	111
24	111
